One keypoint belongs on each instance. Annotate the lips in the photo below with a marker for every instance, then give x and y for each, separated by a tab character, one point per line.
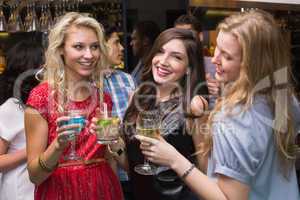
219	70
162	72
86	64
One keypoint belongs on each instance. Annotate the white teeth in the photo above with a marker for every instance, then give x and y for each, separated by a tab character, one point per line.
86	64
163	71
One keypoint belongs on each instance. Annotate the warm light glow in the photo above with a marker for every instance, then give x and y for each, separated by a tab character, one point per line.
4	34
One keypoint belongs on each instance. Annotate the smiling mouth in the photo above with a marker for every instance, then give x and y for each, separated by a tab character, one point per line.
163	71
87	64
219	71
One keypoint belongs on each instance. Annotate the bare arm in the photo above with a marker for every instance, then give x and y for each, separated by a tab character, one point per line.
10	161
36	128
225	188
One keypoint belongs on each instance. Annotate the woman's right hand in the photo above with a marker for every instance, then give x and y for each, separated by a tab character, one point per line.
158	150
64	131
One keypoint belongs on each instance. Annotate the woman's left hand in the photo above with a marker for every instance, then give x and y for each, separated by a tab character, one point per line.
158	150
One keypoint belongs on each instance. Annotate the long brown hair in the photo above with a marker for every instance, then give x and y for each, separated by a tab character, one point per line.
190	84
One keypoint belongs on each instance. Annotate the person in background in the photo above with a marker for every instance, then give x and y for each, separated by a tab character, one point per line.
190	22
23	59
173	71
120	86
142	39
251	143
75	58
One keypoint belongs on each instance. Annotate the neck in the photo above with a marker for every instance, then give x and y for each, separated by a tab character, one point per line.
78	90
164	92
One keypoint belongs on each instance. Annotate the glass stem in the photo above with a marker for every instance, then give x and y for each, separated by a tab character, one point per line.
73	145
146	162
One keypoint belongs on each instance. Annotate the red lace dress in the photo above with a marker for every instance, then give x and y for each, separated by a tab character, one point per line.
77	182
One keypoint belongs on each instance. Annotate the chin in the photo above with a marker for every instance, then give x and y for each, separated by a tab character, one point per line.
219	78
87	73
158	81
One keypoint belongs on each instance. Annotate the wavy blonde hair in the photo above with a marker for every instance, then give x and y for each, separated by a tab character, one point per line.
265	55
54	65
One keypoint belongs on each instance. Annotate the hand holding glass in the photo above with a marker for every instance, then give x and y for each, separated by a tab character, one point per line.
76	117
108	130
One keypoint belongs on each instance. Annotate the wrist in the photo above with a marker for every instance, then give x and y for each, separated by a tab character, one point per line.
114	152
179	162
45	166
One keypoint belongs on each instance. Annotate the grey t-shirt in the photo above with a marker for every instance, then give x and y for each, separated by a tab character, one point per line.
244	149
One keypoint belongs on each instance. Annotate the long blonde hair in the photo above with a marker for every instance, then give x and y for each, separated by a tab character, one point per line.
54	65
265	60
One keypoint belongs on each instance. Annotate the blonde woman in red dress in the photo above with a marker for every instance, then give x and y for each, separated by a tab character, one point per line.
74	59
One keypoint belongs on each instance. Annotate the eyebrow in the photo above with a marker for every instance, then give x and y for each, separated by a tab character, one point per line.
173	52
177	53
223	50
83	43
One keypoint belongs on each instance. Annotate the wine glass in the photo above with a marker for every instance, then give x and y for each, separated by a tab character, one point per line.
147	124
77	117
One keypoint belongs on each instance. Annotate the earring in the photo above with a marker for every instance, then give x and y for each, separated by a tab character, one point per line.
187	71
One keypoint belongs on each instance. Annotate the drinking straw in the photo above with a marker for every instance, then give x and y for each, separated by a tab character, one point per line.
105	110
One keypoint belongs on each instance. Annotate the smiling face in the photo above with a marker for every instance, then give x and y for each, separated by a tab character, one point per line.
227	57
81	52
170	63
115	49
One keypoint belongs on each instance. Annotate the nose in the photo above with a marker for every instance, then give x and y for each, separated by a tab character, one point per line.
121	47
88	53
163	59
216	58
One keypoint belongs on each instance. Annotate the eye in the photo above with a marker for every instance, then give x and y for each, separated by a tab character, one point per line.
226	56
78	46
95	47
178	57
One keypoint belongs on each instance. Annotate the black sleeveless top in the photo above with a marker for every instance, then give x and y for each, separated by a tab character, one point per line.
166	185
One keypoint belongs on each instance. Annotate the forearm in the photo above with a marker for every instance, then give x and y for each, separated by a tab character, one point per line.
50	157
12	160
202	185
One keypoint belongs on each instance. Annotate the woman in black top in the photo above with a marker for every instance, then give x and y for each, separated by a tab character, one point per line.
173	75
